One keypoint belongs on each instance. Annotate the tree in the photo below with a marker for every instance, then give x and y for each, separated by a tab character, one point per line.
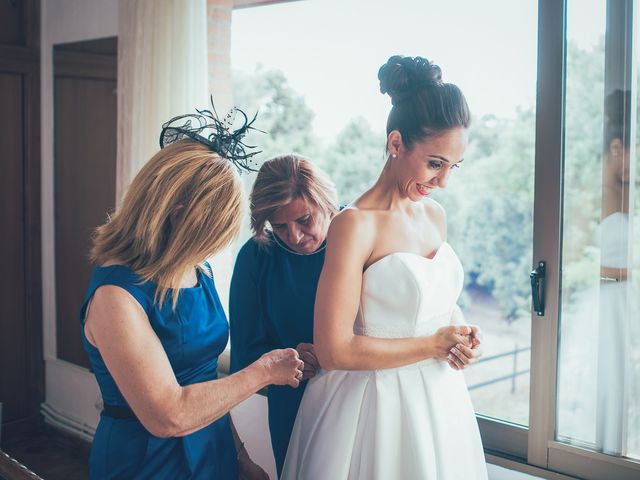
490	216
490	199
354	160
489	203
282	113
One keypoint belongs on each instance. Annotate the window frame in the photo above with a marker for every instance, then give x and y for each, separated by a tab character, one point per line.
544	450
533	449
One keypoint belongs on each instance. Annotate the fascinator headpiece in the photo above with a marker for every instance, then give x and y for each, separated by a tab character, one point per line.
220	136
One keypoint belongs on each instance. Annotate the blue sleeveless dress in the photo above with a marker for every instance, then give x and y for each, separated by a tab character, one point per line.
193	336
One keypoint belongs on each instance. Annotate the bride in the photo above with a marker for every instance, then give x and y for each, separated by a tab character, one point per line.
391	401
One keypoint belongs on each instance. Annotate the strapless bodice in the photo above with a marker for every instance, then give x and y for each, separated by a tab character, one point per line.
614	241
406	295
406	422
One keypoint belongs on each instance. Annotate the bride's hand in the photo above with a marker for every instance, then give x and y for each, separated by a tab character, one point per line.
460	356
477	336
307	354
448	337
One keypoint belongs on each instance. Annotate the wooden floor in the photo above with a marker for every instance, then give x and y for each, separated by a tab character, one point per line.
50	453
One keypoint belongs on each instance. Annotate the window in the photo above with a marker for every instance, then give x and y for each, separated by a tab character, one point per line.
598	397
532	188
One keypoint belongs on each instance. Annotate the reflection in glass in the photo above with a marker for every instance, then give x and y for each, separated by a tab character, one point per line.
599	371
615	309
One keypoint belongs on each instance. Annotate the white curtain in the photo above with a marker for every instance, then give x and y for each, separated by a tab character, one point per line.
162	72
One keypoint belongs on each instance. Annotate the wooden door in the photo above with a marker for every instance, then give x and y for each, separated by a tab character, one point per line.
85	123
21	367
13	335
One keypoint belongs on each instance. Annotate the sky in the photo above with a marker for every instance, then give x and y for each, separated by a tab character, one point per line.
331	50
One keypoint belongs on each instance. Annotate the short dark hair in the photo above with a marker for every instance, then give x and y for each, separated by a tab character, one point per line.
423	105
617	125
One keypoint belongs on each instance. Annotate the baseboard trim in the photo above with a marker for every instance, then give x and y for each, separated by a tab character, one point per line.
67	423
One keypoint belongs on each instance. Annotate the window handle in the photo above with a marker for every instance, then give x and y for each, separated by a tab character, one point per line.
537	276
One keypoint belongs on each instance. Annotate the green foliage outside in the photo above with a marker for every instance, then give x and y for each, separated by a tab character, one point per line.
354	160
283	114
489	201
489	206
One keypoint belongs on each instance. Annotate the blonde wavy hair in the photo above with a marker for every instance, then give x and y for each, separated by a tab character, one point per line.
283	179
184	206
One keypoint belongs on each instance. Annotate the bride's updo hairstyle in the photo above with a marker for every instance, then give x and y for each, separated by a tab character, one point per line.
617	109
423	105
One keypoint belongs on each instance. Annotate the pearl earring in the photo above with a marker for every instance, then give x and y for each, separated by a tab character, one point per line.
393	155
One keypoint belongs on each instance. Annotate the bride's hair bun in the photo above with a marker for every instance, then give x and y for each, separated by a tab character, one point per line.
401	76
423	104
617	109
616	106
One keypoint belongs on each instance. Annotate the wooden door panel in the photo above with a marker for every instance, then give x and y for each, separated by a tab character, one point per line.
14	390
85	170
12	23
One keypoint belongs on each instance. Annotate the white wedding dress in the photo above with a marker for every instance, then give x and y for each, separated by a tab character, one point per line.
411	423
618	320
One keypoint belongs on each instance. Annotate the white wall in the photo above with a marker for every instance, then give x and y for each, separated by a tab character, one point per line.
70	391
250	419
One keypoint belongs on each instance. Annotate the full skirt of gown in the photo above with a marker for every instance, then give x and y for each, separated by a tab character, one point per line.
412	422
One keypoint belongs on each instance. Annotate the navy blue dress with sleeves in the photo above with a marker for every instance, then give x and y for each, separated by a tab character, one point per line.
271	302
193	336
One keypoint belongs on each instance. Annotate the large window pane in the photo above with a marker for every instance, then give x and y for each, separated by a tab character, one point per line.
310	67
599	365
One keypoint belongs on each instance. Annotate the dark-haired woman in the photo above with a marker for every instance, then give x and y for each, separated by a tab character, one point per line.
386	403
275	278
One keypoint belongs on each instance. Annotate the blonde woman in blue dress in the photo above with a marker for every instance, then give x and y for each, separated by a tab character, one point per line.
390	401
152	323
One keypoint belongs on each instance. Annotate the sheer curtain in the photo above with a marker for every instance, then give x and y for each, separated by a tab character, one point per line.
162	72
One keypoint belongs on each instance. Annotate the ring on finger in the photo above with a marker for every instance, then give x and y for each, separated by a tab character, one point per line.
458	353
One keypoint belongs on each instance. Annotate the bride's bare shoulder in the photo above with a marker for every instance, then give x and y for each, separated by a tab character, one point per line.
353	226
437	215
352	217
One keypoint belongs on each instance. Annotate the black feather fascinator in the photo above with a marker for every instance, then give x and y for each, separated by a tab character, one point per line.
220	136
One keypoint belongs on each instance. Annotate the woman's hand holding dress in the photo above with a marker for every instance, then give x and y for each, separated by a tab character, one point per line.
307	353
283	367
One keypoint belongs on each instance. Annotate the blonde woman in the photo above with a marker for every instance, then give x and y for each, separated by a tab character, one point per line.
274	281
152	322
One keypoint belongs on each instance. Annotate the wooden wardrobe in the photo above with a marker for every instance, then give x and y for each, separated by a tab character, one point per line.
21	364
